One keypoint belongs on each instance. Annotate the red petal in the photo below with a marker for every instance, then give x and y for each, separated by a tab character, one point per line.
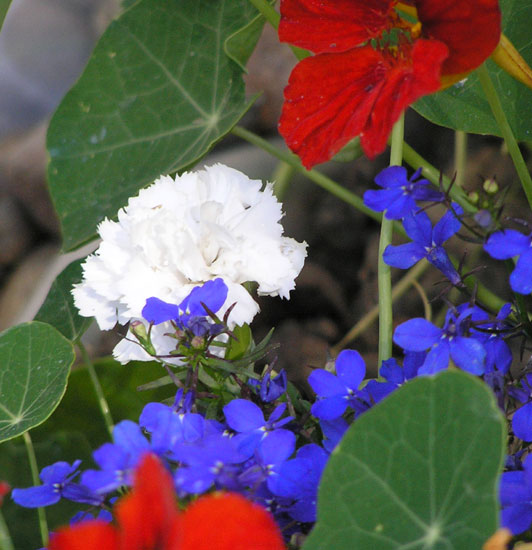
228	521
470	28
89	535
332	25
148	516
404	83
328	100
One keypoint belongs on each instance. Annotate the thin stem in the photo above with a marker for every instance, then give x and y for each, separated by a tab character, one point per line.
415	160
460	157
371	316
317	177
281	179
384	274
43	524
268	12
426	303
511	143
5	538
102	401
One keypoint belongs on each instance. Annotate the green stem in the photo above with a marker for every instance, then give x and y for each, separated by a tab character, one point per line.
415	160
317	177
102	401
513	148
281	179
369	318
5	539
43	525
267	11
460	157
384	274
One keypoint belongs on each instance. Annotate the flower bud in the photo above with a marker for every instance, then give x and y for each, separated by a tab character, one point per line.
490	186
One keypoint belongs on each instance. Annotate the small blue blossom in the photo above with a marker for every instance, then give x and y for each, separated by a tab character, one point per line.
117	461
247	419
336	393
399	194
57	484
269	388
190	313
448	342
507	244
426	243
333	431
516	498
298	479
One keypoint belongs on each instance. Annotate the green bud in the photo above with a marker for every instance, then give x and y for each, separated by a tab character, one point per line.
490	186
473	197
138	329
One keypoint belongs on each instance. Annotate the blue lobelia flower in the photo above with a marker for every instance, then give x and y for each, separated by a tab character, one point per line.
336	393
507	244
272	453
333	431
117	461
57	484
426	243
247	419
190	313
399	194
298	480
269	388
212	460
516	498
444	343
170	425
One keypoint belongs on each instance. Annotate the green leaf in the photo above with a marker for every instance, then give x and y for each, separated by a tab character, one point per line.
464	107
240	45
418	471
157	93
35	361
59	310
4	6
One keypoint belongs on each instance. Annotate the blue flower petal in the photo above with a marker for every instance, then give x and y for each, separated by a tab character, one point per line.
419	228
506	244
35	497
393	176
212	293
469	354
326	384
58	472
522	422
329	408
128	436
401	207
243	416
521	277
156	311
350	368
403	256
439	258
416	334
277	447
381	199
437	359
448	225
517	518
513	489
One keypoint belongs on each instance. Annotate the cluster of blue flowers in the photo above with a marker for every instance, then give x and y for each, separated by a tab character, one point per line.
257	445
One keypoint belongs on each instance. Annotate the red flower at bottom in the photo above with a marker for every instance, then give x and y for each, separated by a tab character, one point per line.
148	519
362	78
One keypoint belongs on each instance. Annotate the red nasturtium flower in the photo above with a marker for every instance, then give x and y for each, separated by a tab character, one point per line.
148	519
373	59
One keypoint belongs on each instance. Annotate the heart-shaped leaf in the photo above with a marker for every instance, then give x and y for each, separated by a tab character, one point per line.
418	471
464	107
59	310
35	360
157	93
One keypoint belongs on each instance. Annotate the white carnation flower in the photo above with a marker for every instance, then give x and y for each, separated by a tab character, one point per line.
178	234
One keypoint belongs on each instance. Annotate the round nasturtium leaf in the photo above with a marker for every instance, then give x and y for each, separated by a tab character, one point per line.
418	471
35	360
